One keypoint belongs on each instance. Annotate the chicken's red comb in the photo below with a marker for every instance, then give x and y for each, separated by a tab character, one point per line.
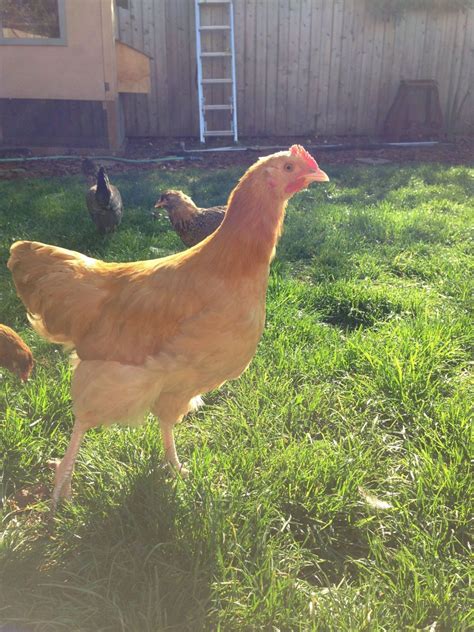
299	150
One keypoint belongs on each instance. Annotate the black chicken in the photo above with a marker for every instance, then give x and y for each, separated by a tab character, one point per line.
105	204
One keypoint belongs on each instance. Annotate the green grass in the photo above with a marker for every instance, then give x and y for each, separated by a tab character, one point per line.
360	388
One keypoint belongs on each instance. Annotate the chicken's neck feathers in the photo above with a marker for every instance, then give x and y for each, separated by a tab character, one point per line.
183	212
245	242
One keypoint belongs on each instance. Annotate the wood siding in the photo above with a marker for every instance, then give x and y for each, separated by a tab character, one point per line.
303	66
53	123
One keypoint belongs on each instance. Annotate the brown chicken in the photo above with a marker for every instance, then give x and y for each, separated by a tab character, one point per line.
192	224
154	335
15	355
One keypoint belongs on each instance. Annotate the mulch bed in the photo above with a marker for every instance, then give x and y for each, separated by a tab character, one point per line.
460	151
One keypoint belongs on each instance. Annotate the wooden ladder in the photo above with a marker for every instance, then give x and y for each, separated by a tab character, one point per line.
212	75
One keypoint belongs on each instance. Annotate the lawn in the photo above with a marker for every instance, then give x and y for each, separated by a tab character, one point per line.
330	484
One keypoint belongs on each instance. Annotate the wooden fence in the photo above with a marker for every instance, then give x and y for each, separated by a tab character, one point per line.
303	66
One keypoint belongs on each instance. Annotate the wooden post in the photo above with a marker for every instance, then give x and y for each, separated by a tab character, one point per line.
115	127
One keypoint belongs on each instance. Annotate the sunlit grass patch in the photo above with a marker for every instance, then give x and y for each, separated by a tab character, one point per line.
330	485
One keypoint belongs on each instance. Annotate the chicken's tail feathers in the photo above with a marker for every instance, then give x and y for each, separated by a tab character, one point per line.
54	285
103	191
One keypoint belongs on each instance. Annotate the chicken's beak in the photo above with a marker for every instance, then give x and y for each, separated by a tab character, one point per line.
159	204
317	175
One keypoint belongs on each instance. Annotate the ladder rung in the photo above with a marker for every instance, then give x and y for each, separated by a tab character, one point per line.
217	81
224	132
223	27
216	54
215	1
218	107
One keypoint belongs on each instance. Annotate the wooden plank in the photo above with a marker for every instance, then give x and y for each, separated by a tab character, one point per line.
260	65
125	29
292	115
437	52
173	63
114	127
385	94
194	107
375	31
357	37
250	62
271	70
160	68
324	66
335	65
395	74
344	85
136	9
430	45
376	56
182	41
408	55
313	69
467	120
363	62
457	87
283	69
465	86
416	40
302	123
148	26
445	67
420	43
134	112
149	34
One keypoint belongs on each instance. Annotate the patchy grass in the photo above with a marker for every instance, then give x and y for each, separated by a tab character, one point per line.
330	484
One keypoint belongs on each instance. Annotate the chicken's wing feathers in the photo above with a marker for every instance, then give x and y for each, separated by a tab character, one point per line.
217	210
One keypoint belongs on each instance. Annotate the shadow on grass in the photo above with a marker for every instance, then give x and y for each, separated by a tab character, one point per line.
127	568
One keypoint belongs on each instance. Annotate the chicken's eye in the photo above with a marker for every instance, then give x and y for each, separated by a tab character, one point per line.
288	166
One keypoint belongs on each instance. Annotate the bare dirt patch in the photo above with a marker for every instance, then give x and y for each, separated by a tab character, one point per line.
460	151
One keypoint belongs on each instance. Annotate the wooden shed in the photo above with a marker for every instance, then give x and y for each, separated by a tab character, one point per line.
63	72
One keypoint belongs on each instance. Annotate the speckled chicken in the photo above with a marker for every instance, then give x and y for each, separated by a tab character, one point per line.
192	224
15	355
105	204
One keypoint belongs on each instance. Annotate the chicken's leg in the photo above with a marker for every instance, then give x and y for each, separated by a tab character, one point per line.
170	409
62	481
171	456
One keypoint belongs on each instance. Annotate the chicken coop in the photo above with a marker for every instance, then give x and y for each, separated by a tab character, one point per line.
64	72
